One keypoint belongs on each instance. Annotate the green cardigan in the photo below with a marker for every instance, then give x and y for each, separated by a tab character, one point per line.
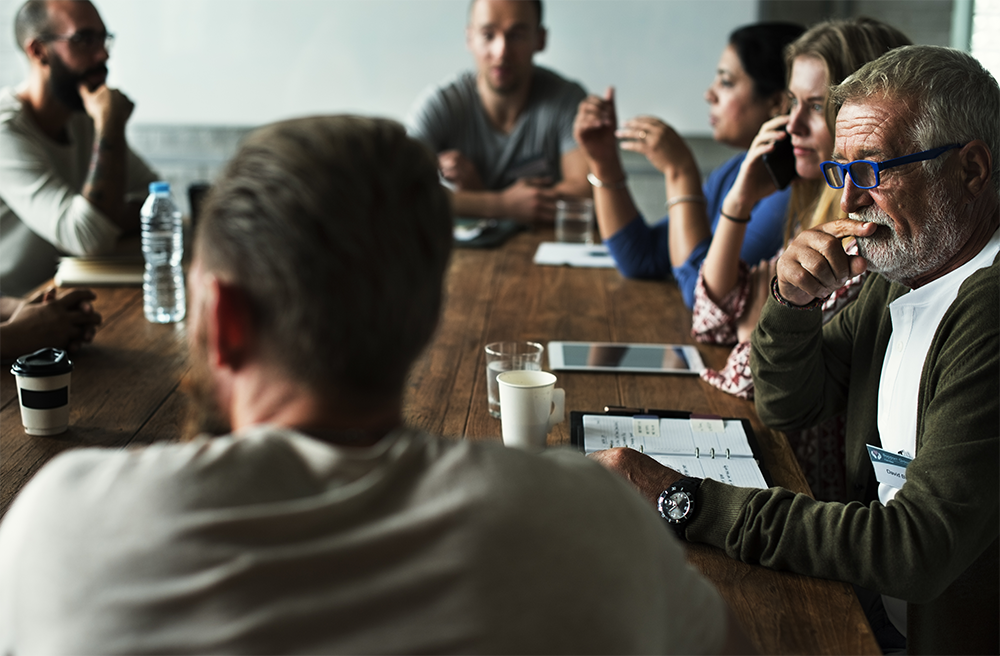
936	544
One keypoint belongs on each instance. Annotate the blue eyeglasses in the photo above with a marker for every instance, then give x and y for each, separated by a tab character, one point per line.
864	173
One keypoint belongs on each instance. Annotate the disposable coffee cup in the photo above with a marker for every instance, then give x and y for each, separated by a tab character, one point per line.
43	390
532	405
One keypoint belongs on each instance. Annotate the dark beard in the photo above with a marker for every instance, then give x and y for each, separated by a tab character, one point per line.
65	84
203	412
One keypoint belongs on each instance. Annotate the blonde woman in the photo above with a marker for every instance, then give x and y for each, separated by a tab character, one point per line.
729	293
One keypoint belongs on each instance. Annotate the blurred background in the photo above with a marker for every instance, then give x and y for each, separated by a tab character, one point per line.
204	72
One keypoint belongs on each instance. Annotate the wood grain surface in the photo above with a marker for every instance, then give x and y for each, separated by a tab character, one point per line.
500	295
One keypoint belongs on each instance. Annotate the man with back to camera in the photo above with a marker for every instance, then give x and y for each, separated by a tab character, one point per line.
504	132
913	361
69	184
320	523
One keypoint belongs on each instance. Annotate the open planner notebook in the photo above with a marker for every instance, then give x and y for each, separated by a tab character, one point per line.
704	447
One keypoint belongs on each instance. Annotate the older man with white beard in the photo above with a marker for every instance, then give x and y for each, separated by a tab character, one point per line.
913	362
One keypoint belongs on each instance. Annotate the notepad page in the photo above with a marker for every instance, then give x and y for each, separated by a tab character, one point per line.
675	438
741	472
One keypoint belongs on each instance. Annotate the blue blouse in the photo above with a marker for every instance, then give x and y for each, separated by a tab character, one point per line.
643	251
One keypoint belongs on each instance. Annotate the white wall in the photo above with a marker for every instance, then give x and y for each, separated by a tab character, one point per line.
246	62
986	35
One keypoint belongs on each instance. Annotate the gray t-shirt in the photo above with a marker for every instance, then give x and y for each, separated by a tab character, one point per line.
273	542
451	117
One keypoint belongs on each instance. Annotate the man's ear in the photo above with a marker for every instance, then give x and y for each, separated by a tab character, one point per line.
543	37
36	50
977	167
230	330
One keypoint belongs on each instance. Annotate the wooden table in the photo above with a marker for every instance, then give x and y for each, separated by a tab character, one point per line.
127	390
499	295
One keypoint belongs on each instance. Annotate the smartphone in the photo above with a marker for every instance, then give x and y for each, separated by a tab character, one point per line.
780	162
633	358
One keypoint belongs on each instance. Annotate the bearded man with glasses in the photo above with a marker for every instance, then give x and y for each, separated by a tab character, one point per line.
914	363
69	184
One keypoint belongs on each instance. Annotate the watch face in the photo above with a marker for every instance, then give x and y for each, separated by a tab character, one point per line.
677	505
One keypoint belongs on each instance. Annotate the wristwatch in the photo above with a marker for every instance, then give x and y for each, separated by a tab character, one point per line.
676	504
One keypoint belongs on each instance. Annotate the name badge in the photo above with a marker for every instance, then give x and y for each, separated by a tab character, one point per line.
890	468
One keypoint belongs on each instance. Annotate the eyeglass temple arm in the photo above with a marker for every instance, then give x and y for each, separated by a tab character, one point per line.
916	157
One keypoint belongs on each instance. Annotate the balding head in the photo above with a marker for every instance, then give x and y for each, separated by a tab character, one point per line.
43	18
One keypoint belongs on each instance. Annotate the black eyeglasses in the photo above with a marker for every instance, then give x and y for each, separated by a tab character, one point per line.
87	40
865	173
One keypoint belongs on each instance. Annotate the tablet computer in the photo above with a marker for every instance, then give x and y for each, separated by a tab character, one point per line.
632	358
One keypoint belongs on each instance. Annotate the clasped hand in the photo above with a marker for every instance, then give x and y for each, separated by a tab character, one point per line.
532	199
47	321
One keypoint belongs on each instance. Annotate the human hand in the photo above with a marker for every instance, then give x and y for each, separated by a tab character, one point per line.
459	170
760	288
815	264
64	322
661	145
530	199
649	477
109	108
594	129
753	182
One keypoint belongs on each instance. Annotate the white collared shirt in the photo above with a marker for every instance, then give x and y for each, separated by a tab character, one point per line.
915	318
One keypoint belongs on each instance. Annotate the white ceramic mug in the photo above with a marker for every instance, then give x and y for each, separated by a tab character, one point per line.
531	407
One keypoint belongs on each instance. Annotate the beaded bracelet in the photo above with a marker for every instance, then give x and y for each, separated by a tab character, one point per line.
594	180
734	219
811	305
686	199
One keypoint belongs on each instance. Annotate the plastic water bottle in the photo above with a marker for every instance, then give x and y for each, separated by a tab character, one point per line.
163	296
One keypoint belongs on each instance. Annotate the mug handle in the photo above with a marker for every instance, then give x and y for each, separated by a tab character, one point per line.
558	413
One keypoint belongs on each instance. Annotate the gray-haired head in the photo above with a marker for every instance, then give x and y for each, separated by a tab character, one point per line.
951	96
338	233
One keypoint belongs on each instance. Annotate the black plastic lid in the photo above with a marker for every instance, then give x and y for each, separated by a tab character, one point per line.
46	362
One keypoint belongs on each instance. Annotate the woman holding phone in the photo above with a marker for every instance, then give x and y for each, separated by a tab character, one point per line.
748	90
729	294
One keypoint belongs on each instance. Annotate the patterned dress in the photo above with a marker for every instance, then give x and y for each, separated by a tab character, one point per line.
820	449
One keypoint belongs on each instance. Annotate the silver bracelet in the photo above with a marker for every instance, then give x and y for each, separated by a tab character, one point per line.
685	199
621	184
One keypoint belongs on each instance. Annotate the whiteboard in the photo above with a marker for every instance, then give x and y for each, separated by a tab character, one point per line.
246	62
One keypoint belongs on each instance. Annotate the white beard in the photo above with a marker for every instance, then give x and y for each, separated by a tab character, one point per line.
904	259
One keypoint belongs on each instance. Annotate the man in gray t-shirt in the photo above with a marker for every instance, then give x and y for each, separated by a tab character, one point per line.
504	133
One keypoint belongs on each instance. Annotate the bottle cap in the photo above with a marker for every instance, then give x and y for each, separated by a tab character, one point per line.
46	362
159	187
